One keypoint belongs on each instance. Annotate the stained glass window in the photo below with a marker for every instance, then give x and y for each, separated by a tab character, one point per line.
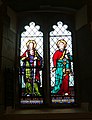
31	62
61	64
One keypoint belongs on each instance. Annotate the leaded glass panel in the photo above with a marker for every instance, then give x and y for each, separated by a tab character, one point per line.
61	64
31	62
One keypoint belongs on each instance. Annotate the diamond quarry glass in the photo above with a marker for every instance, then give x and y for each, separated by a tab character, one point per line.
61	65
31	62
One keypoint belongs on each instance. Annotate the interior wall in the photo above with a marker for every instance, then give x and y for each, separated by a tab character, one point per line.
7	58
84	42
0	2
8	49
2	9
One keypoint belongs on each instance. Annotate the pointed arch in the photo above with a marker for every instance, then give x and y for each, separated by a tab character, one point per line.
59	86
31	60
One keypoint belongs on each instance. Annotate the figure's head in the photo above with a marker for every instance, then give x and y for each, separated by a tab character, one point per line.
61	44
31	44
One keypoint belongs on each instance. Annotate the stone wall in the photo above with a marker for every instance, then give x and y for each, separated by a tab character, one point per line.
83	25
7	56
84	42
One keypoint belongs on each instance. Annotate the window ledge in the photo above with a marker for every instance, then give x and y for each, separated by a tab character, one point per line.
43	114
57	114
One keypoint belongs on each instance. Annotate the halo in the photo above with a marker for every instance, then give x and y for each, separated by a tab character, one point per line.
63	41
31	41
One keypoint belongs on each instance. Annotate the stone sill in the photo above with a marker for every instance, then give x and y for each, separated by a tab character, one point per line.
48	114
28	115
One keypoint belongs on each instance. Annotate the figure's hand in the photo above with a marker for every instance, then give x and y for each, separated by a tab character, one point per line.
54	69
23	58
67	71
67	51
66	56
35	58
26	54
